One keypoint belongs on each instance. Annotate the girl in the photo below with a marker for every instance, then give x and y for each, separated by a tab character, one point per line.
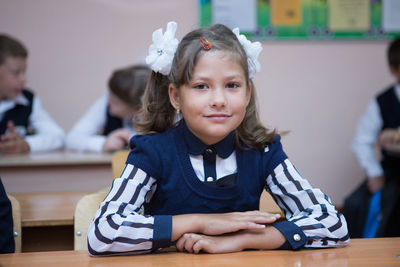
199	175
107	125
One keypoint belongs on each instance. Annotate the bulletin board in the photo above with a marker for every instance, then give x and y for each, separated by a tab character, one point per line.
307	19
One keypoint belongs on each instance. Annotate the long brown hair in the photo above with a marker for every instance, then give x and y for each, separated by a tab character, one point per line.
129	83
159	114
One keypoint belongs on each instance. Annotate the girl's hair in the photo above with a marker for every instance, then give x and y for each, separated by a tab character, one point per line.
128	84
10	47
159	114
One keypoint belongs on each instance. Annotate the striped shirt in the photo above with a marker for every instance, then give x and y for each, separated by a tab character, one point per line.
120	227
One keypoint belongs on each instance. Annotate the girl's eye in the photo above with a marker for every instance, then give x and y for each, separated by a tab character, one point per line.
232	85
200	86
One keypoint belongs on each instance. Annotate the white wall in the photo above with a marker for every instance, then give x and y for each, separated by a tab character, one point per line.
317	90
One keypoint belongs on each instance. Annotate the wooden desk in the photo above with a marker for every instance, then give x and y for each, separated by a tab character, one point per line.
58	171
361	252
48	209
48	186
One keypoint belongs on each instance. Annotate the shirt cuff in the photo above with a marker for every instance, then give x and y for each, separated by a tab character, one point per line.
162	231
374	170
95	143
295	238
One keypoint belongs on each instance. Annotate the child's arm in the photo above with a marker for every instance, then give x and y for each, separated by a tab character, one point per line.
268	238
12	142
218	224
118	226
117	139
48	135
312	221
85	134
309	212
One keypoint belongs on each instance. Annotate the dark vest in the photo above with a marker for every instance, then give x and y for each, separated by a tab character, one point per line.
112	123
179	191
19	114
389	106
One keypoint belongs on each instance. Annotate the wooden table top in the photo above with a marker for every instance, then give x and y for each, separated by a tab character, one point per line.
55	158
360	252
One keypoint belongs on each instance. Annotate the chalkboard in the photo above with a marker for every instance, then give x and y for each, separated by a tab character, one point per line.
311	19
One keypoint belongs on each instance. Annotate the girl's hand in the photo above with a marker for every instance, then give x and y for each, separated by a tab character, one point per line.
117	139
217	224
194	243
389	137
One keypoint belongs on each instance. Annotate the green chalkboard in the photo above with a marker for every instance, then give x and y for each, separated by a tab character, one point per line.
314	23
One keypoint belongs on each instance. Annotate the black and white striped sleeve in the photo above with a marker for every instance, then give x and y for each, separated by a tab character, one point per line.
312	219
118	227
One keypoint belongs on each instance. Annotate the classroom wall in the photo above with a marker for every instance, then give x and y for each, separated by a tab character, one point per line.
317	90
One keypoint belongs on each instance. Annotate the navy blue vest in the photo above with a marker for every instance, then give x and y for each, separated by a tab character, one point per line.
179	191
19	114
112	123
389	106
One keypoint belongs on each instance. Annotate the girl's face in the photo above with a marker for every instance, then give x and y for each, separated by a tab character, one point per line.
214	102
12	77
119	108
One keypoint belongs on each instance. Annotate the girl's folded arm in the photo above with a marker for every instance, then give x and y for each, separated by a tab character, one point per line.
312	220
118	226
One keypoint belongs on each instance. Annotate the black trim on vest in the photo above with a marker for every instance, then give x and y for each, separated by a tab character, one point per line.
389	106
112	123
19	114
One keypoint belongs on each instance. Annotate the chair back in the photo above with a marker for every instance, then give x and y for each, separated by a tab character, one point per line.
88	205
84	214
118	162
16	214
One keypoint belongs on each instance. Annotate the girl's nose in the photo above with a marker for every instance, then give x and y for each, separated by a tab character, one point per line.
218	97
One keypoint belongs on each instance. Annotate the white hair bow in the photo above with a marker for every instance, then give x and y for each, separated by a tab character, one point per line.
252	50
163	48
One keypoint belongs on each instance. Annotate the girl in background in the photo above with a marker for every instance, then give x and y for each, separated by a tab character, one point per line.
108	124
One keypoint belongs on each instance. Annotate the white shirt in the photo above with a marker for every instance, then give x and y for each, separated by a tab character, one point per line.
367	133
47	134
85	134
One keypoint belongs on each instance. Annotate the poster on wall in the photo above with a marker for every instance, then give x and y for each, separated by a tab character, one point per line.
305	19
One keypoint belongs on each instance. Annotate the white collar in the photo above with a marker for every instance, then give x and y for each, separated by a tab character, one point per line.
11	103
20	99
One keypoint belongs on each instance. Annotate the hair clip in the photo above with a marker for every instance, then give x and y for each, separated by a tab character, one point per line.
205	43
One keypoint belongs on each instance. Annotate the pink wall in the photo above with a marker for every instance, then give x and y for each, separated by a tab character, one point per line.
317	90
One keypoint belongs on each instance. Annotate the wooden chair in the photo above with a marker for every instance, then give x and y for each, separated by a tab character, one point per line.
16	213
118	162
84	213
89	204
268	204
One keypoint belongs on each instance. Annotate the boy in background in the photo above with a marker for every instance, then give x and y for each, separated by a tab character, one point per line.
379	125
24	124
